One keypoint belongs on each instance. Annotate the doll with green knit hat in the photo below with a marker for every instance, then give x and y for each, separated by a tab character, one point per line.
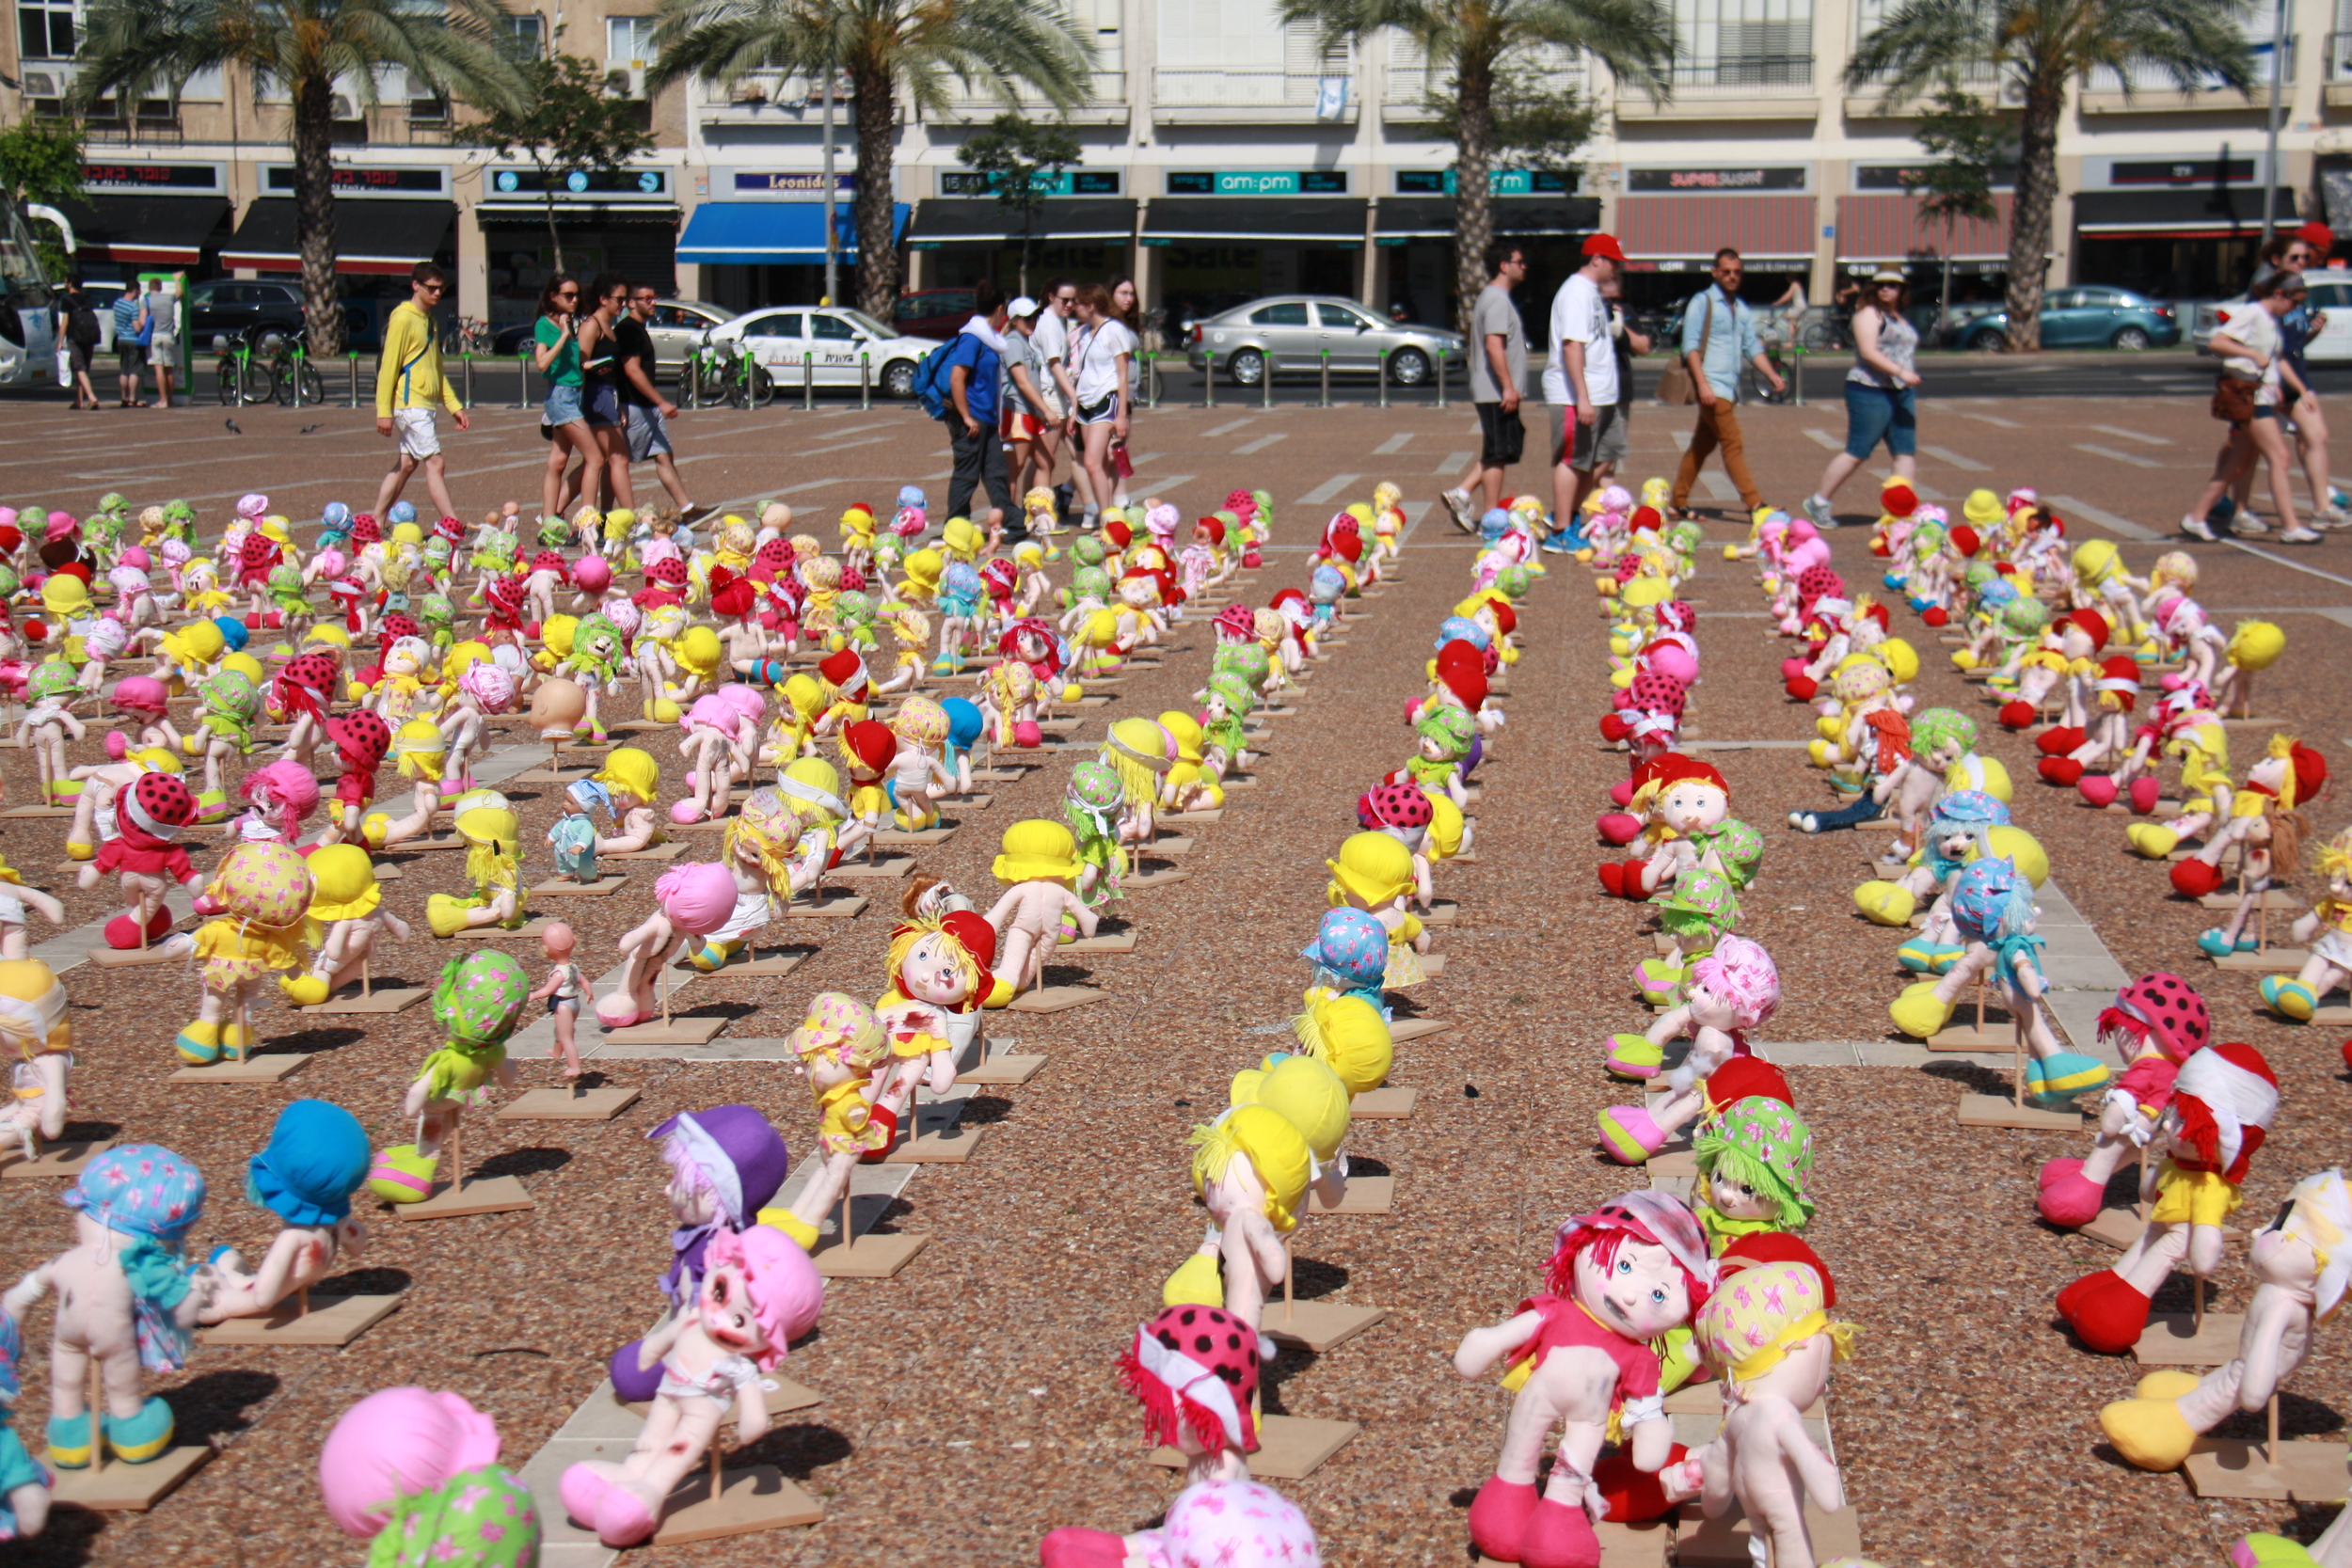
477	1004
1090	806
1224	733
1696	910
1445	734
1753	1159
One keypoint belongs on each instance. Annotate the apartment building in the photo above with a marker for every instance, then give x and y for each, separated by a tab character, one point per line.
1225	156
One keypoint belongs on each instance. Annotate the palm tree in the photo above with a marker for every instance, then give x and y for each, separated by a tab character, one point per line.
1482	42
2040	45
132	47
881	45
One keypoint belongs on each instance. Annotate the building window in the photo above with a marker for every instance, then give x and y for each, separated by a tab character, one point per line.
522	38
628	43
44	31
1739	43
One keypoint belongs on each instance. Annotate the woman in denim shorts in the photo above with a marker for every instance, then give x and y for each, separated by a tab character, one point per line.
1881	391
562	421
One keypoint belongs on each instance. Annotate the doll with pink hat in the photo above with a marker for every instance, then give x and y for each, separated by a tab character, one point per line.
689	901
708	746
279	797
484	690
416	1472
1733	989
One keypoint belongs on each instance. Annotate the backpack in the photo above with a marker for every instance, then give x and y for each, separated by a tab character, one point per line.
80	325
931	380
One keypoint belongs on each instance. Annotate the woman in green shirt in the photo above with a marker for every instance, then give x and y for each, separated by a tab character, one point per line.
562	419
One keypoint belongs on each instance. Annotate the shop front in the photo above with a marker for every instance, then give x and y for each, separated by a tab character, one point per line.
149	215
387	220
1672	220
1219	238
1883	225
2174	228
766	245
585	221
1414	244
1084	229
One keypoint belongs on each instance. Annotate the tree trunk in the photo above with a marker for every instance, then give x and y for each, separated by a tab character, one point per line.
555	233
873	99
2036	195
314	214
1473	196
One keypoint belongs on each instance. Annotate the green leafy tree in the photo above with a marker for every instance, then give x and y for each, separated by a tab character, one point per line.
2040	46
1020	159
568	120
1490	51
134	49
881	46
1972	145
40	161
1539	124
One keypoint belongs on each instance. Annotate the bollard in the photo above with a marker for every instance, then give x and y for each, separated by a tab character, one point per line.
355	378
1151	379
522	378
1208	378
469	399
1265	381
1327	380
865	380
1442	378
1796	373
808	381
1384	378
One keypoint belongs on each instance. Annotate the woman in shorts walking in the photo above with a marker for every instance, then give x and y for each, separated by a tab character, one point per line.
562	421
1881	391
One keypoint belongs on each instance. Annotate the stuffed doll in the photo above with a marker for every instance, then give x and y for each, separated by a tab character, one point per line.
2266	829
279	797
940	979
1404	813
1376	874
758	1292
630	780
866	750
840	1046
142	701
1959	828
1350	955
484	688
14	894
317	1158
477	1004
1768	1334
1091	805
48	723
1694	915
690	902
726	1165
1731	989
24	1484
1755	1157
348	905
127	1298
2327	930
918	778
35	1028
1579	1354
361	741
493	864
564	991
2157	1024
420	751
2223	1102
1251	1168
146	857
1040	906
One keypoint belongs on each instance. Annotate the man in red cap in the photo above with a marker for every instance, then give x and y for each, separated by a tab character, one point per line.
1718	337
1581	378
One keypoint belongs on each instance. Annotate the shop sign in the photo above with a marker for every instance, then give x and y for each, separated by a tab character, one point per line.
178	178
1067	181
580	182
399	180
1258	181
2183	171
1779	178
1501	182
791	182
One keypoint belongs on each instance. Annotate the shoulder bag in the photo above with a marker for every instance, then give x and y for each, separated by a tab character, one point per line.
1675	386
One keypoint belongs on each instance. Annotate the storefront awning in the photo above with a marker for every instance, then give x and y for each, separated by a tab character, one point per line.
152	231
382	237
983	219
1693	227
2204	213
1431	217
1257	221
1890	226
757	234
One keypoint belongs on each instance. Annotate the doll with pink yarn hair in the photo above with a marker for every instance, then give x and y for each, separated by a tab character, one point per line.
484	687
689	901
714	758
759	1292
416	1471
1731	990
279	797
145	702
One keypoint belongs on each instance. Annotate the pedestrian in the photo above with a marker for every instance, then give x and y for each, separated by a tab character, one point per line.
1026	418
78	332
1498	374
600	386
1580	380
1882	392
975	365
2306	248
2248	395
131	344
1718	337
163	337
1127	310
1102	351
1049	346
647	411
561	421
411	390
1625	341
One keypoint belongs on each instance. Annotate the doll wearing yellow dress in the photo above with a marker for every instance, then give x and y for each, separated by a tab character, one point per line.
839	1046
2206	789
493	864
262	930
811	790
1375	873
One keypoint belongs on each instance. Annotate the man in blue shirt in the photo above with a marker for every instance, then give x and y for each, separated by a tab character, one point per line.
131	335
1718	337
976	374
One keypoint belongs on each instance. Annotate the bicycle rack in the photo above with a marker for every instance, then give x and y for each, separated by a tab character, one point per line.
1327	380
353	360
1384	377
1265	381
1442	378
1208	378
522	378
467	359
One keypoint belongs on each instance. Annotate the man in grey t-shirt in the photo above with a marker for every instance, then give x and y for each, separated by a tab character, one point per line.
1498	370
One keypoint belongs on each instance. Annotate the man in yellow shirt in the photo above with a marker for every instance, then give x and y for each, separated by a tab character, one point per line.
410	389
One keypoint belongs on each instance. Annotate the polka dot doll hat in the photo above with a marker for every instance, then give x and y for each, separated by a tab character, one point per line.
1195	1368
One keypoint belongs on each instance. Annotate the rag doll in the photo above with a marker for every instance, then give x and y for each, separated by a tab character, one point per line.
347	905
415	1471
34	1028
1252	1167
260	899
1731	990
630	779
2155	1025
1376	874
47	724
493	864
146	857
421	751
317	1159
840	1045
25	1484
477	1004
1040	906
2327	930
690	902
940	979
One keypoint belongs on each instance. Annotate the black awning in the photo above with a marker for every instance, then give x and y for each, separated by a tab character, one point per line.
969	219
1431	217
2207	210
376	235
1246	220
163	230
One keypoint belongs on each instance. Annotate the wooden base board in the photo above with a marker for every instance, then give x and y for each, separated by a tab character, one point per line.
1432	964
2001	1036
481	1195
135	957
20	813
122	1488
380	1000
834	904
1174	844
2273	898
1008	1069
567	1105
1166	875
1725	1541
966	802
1641	1545
1290	1447
1366	1195
56	1160
2303	1472
1055	999
775	964
528	931
2115	1228
1189	818
268	1069
1005	772
2273	960
749	1500
1402	1029
784	1397
1386	1103
2177	1340
552	775
2333	1015
332	1322
1316	1326
427	845
1998	1110
563	887
870	1256
1109	942
669	851
1445	912
678	1031
951	1145
1676	1159
889	866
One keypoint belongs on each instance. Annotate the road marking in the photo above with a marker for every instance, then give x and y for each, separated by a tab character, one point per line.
1168	482
2133	434
2117	456
1394	443
1989	418
1452	461
1331	488
1966	465
1718	488
1260	444
1229	428
1823	439
2283	561
2105	519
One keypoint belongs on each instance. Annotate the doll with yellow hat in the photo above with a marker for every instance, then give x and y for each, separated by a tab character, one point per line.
1375	873
1141	754
1251	1168
1041	906
857	535
418	750
1346	1031
347	906
260	899
35	1030
799	702
493	864
630	781
811	791
1187	786
840	1046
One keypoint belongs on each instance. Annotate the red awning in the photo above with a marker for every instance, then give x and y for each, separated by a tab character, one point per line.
1888	227
1694	226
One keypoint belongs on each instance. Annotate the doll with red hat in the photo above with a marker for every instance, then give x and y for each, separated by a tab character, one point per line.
1405	813
1687	805
2062	667
548	572
1651	748
2224	1101
147	858
865	748
940	980
846	688
2156	1022
2070	748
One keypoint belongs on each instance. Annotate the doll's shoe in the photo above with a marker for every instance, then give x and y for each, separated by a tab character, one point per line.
144	1436
581	1489
2150	841
1918	1011
2016	715
80	851
1963	659
623	1518
2151	1434
1632	1497
1633	1057
1802	688
1499	1516
70	1442
1560	1536
1935	615
401	1175
1885	903
2056	1171
2260	1550
711	957
2105	1311
2143	794
1922	957
1791	667
2062	771
2215	944
1072	1546
1620	793
198	1043
305	990
2055	1081
1196	1282
2289	998
2097	789
2070	1199
1630	1134
1658	979
1618	828
2057	740
2166	1383
1613	875
2194	878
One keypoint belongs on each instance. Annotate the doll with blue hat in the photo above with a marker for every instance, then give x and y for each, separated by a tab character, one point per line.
24	1484
1350	955
317	1159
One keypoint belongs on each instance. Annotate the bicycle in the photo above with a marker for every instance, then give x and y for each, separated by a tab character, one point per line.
467	335
294	381
238	377
749	386
702	378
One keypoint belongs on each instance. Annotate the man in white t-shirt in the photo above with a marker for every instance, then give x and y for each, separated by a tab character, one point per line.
1049	342
1580	379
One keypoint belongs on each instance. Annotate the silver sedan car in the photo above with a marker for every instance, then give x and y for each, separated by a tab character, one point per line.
1293	333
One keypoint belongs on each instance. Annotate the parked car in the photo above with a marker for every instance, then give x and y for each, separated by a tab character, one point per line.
677	329
2330	302
837	338
2083	317
934	312
258	312
1296	331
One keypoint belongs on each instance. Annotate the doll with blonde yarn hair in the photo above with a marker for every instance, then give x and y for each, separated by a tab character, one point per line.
347	907
2327	930
1140	754
418	750
912	629
260	899
756	849
840	1046
1375	873
2267	829
1251	1168
35	1030
940	979
917	777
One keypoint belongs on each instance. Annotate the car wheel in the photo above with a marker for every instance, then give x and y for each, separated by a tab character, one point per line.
266	338
1991	339
898	379
2132	338
1408	367
1246	367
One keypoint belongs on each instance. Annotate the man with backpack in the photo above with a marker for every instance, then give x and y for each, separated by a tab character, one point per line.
962	385
78	332
410	391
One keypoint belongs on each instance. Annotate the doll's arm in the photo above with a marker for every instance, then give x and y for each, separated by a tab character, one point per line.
1715	1493
72	723
50	909
1653	1434
1482	1348
1000	912
400	929
547	986
751	1411
2305	926
1265	1247
1088	920
661	1339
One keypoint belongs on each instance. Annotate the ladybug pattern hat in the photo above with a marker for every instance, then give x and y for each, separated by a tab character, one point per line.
1195	1368
362	739
2165	1011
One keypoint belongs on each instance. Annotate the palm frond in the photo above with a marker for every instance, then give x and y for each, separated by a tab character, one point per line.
1005	44
2047	42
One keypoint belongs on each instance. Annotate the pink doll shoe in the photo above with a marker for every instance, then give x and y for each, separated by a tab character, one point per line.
2097	789
581	1490
1497	1517
1621	793
2069	1197
1630	1134
623	1519
1791	667
1633	1057
685	812
1559	1536
2144	791
1026	733
1618	828
1074	1548
2054	1171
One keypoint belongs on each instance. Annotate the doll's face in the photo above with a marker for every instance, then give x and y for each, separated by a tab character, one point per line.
1739	1201
1640	1294
1708	1008
726	1314
1686	807
1433	747
933	972
1953	846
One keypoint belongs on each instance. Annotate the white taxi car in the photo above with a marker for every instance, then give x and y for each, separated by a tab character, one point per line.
837	338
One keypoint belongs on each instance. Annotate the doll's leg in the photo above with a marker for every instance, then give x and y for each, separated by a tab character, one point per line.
1678	1109
566	1044
2158	1251
940	1074
2204	1250
1014	966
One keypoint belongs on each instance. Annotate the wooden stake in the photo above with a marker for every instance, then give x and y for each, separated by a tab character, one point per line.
1290	1276
2197	1296
366	977
97	1411
2017	1035
2270	1448
714	1468
845	1214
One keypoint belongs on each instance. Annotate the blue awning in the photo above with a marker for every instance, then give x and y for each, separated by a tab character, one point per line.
754	233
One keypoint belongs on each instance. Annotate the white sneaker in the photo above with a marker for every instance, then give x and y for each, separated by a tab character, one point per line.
1459	503
2249	525
2331	515
1816	508
2197	527
2297	535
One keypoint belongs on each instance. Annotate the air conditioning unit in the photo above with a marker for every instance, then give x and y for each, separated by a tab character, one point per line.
636	79
42	83
342	107
2013	92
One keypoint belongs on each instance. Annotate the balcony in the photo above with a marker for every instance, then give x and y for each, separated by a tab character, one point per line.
767	98
1741	87
1261	96
2338	83
2154	90
1984	80
154	123
1106	103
